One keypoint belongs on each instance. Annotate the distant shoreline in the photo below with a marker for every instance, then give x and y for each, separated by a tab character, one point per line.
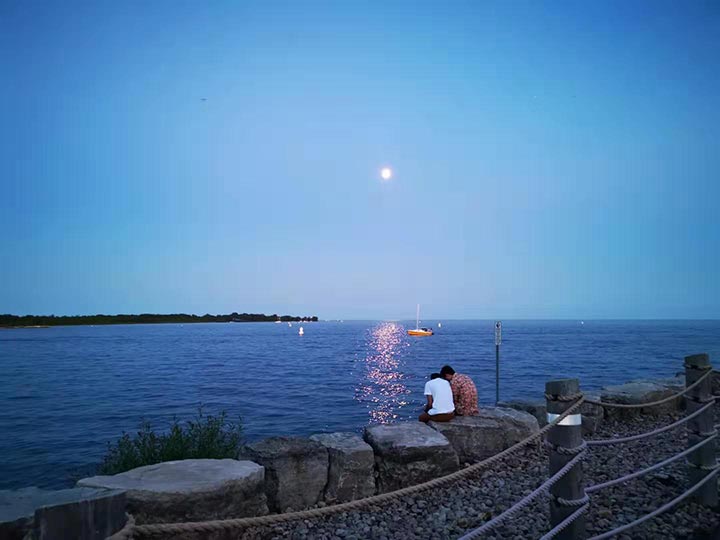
46	321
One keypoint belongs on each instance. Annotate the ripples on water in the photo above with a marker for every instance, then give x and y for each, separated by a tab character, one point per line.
66	392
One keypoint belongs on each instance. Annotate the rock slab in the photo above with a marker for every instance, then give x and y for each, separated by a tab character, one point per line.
80	513
352	466
189	490
638	392
296	470
409	453
475	438
592	415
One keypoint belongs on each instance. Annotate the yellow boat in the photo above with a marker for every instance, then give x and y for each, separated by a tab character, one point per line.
419	331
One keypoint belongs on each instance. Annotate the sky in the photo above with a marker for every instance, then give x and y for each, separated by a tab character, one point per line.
550	159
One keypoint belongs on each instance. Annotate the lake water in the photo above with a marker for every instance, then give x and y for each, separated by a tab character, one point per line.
65	392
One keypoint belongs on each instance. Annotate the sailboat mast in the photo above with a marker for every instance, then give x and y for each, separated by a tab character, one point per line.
417	317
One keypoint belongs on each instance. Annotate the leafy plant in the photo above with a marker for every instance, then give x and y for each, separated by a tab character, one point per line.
207	436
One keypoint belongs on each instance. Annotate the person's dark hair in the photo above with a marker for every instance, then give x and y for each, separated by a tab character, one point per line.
447	370
434	376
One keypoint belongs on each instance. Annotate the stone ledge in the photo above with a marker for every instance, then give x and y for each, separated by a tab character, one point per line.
189	490
409	453
643	391
351	470
296	470
85	513
475	438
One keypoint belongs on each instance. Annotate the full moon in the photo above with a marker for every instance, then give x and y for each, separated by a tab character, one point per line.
386	173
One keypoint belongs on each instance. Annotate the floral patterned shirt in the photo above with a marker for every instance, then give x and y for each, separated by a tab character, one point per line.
464	395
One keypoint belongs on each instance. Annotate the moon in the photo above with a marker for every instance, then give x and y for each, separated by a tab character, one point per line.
386	173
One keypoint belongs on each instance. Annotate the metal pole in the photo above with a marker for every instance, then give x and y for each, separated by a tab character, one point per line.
566	442
703	459
498	341
497	374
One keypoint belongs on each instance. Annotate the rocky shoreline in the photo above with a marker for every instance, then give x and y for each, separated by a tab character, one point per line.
450	512
282	474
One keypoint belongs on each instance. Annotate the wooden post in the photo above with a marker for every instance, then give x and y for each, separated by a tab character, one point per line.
566	435
701	460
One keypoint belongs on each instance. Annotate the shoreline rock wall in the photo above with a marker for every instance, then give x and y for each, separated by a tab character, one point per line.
279	474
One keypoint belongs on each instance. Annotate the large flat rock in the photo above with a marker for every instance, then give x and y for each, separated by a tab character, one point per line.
592	415
84	513
536	407
296	470
409	453
475	438
190	490
352	466
638	392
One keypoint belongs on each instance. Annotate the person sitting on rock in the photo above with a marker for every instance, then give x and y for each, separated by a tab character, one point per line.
464	392
440	406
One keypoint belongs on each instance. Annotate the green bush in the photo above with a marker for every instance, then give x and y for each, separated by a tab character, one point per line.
208	436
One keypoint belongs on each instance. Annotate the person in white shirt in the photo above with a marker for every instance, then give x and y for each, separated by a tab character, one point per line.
440	406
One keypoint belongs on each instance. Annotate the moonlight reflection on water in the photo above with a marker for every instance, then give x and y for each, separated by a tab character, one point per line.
382	387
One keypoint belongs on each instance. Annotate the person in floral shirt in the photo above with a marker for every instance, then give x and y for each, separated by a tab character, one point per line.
464	392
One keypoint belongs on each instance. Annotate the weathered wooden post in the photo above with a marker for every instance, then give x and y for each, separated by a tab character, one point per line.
565	442
702	460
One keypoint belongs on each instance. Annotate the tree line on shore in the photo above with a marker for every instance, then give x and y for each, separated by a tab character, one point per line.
144	318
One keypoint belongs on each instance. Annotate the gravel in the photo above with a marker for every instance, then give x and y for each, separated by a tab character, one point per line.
450	512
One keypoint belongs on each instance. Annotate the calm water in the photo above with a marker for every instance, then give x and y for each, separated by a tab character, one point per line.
65	392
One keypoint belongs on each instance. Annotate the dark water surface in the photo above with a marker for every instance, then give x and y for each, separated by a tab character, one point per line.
65	392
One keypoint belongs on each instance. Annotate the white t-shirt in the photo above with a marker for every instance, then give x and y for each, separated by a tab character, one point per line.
441	393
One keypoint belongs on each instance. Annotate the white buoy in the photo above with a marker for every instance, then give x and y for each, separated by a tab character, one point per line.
301	331
439	325
290	324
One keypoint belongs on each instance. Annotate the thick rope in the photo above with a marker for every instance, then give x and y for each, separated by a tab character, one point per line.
659	465
565	523
582	501
606	442
658	511
567	398
650	403
566	451
126	533
240	523
522	503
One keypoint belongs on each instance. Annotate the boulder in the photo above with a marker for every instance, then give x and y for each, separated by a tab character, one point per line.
475	438
189	490
592	415
83	513
638	392
352	466
676	384
535	407
409	453
296	470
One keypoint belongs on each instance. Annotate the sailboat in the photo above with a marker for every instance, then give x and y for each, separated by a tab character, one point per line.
419	331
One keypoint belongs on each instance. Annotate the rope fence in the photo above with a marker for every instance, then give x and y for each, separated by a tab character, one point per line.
620	440
583	504
157	529
650	403
541	490
576	454
643	472
663	508
552	533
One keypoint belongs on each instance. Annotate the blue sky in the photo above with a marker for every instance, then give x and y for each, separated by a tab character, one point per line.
552	159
